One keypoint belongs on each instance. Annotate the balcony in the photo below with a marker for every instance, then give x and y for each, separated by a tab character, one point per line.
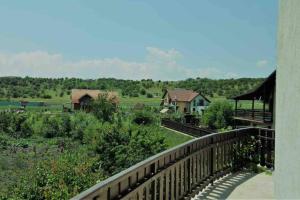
256	116
188	169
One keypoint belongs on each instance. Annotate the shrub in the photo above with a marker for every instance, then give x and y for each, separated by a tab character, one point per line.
52	127
120	148
60	178
47	96
218	115
149	95
143	118
104	108
143	91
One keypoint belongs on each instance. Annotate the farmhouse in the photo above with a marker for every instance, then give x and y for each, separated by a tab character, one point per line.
185	101
81	98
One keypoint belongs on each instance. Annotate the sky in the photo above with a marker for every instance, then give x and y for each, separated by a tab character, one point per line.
138	39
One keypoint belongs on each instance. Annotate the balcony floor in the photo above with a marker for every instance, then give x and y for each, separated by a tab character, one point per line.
241	185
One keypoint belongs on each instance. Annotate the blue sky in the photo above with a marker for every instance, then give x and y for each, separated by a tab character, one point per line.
138	39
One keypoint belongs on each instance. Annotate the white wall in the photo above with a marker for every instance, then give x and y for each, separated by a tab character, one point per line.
198	108
287	143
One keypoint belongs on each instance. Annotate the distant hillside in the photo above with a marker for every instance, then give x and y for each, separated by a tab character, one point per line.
47	88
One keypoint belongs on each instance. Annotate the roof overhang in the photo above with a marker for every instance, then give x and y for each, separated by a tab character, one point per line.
262	92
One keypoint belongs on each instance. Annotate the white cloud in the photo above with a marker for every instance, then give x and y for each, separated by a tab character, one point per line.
262	63
158	64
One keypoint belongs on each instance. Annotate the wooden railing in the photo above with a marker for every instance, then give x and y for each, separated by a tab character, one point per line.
183	171
257	115
185	128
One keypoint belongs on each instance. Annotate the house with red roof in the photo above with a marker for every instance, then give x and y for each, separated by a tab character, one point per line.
185	101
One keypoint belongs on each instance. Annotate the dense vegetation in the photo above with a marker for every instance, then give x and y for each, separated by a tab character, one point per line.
46	88
66	153
46	155
218	115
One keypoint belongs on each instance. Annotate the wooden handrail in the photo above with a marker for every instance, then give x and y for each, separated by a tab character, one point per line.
185	169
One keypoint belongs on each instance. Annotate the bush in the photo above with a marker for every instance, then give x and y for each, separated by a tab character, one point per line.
149	95
83	126
218	115
143	118
47	96
60	178
15	125
104	108
52	127
143	91
120	148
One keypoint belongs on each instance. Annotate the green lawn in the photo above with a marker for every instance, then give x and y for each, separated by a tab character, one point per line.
174	138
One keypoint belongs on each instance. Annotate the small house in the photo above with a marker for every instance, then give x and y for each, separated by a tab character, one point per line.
81	98
185	101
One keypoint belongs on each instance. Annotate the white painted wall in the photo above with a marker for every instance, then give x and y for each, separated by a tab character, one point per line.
287	143
198	108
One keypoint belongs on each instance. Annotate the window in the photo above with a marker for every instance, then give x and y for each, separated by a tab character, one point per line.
184	109
201	102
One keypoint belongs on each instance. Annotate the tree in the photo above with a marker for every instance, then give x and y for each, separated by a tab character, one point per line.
120	148
143	91
149	95
104	107
143	118
218	115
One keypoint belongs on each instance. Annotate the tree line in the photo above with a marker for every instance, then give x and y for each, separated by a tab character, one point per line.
17	87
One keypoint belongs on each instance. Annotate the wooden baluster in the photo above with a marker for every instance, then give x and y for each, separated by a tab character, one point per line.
176	182
161	187
167	184
182	179
262	149
172	191
212	159
269	148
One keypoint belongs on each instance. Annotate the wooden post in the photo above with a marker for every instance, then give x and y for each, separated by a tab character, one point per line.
253	108
264	106
236	102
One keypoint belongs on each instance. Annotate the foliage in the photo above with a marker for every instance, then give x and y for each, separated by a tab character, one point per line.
149	95
143	91
17	87
104	108
61	178
15	125
121	148
218	115
143	117
66	153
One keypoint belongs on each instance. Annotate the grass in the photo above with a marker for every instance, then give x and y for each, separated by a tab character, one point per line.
174	138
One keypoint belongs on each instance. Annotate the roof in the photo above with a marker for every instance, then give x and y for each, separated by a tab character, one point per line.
77	94
183	95
264	90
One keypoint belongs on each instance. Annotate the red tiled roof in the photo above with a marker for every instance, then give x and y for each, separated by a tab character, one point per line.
77	94
182	95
